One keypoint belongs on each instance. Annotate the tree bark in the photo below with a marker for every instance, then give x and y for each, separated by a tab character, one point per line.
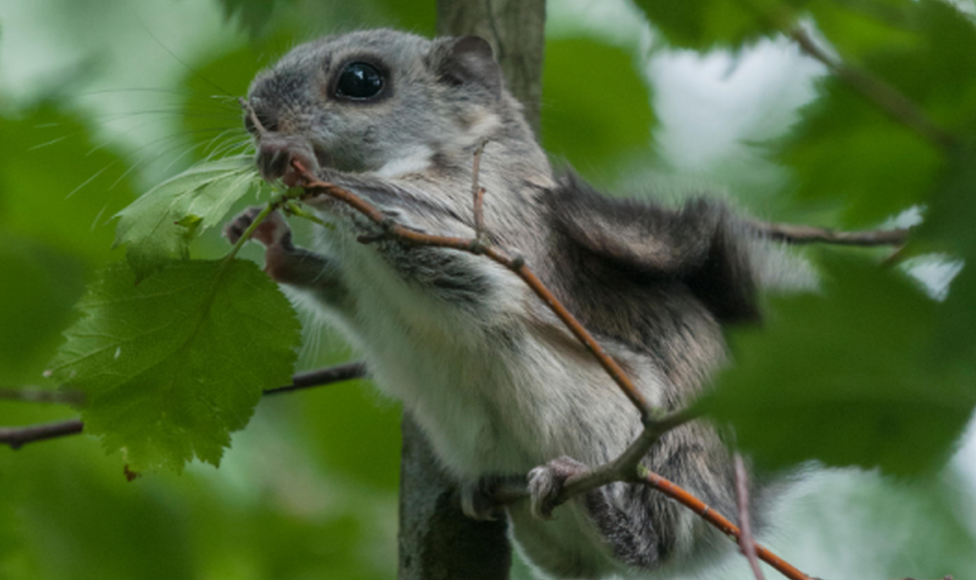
516	31
436	540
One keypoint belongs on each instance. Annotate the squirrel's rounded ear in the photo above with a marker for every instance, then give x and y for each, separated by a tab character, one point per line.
467	60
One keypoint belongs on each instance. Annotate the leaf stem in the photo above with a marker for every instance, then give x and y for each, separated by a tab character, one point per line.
250	230
294	209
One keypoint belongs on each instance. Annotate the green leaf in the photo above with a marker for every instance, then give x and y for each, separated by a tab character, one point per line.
591	136
939	73
171	366
842	377
846	150
949	227
706	24
58	185
417	16
159	226
37	293
254	15
857	28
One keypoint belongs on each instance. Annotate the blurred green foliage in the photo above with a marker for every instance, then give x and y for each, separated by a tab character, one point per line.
870	371
595	104
715	23
51	237
867	395
895	388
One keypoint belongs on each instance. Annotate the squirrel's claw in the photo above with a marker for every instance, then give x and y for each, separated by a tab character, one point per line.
546	484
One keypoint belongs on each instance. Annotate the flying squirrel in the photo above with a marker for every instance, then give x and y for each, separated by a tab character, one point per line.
493	378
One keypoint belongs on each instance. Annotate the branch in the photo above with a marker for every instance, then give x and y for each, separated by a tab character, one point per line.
717	520
393	230
872	87
746	544
16	437
627	467
889	99
619	470
478	194
321	377
624	468
798	234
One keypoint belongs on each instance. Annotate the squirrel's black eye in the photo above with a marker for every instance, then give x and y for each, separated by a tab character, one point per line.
360	81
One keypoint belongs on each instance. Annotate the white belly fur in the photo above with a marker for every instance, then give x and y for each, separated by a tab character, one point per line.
490	410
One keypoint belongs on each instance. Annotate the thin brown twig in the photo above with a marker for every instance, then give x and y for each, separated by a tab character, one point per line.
746	543
718	521
889	99
800	234
478	193
626	467
517	265
320	377
620	470
623	468
479	220
16	437
870	86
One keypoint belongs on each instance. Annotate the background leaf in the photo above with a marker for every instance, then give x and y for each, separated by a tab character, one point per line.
36	304
846	149
846	152
842	377
587	136
715	23
949	228
164	366
59	184
52	230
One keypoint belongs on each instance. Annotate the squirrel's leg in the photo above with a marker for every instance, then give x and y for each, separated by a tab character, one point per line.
286	263
630	517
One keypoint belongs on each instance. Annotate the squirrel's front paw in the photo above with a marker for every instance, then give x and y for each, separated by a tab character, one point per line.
282	260
546	483
272	231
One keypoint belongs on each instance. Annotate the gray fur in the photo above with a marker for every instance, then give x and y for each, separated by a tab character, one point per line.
496	382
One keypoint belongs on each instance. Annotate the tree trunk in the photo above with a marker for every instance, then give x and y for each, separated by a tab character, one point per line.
516	31
436	541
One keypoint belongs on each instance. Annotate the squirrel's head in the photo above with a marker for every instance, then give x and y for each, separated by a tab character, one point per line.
385	101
